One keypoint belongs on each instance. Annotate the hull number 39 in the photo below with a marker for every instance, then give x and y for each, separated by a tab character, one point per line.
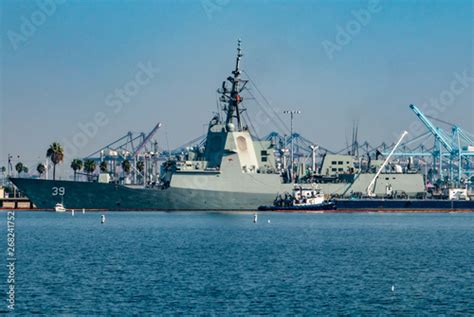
58	191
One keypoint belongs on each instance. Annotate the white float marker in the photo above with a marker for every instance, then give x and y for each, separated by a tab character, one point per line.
393	288
255	218
268	221
102	219
72	212
83	210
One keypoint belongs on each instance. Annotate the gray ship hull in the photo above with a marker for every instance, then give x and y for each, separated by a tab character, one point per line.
45	194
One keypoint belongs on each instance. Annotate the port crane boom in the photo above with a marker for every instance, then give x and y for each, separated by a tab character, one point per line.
147	138
370	188
458	147
438	134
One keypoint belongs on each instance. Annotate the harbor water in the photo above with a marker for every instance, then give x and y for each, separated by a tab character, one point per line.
225	263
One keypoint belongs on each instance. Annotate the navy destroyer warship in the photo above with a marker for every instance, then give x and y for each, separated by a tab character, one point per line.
232	172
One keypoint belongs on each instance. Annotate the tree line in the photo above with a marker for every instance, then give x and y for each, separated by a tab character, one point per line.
55	154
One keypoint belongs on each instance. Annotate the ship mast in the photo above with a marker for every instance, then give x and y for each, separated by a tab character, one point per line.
232	97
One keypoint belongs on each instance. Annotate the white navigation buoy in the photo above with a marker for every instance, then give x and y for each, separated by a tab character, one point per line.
83	210
72	212
102	219
268	220
255	218
393	288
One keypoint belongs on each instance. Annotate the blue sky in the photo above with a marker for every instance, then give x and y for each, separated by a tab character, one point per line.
60	76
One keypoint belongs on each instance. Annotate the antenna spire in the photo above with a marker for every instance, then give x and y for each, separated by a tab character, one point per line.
236	72
232	97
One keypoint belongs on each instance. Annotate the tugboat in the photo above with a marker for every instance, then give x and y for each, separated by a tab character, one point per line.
301	199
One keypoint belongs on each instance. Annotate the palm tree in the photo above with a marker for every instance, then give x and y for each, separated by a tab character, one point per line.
103	167
126	166
25	169
56	154
89	167
140	166
19	167
76	165
40	169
